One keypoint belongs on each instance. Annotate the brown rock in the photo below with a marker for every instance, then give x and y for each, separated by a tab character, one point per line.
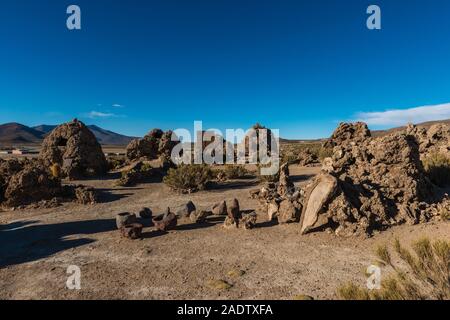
86	195
74	147
318	195
234	211
287	212
32	184
248	220
132	231
199	216
166	221
219	209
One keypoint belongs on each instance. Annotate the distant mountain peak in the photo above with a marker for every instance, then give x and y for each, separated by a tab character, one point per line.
16	133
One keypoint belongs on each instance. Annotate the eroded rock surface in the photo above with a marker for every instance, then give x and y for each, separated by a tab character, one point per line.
75	149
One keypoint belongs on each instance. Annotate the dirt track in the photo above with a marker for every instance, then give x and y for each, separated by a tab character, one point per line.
37	246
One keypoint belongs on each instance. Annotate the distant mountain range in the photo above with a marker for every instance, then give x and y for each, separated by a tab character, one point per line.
16	133
377	133
19	134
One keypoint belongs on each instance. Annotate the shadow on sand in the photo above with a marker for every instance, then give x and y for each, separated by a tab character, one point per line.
26	241
301	177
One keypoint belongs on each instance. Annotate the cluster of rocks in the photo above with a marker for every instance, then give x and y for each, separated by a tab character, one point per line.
368	184
74	148
130	227
307	158
135	173
155	144
434	140
280	199
29	183
25	182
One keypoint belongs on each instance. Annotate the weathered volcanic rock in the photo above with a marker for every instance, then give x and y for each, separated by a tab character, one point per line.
380	182
74	147
318	195
166	221
145	213
285	185
186	209
32	184
287	212
153	145
248	220
307	158
220	209
125	218
132	231
86	195
434	140
348	133
199	216
234	212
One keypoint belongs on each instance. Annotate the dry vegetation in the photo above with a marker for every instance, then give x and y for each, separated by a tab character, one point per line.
426	275
189	178
437	166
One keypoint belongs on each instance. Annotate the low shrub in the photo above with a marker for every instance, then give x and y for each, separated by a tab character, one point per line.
235	172
188	178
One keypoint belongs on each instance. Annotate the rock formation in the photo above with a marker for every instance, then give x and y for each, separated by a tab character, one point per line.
31	184
153	145
371	183
74	147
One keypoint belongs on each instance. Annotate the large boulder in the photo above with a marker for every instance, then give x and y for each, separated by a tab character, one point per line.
317	197
435	139
153	145
32	184
75	149
7	169
348	133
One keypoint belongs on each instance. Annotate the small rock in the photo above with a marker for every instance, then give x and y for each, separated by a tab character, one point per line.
248	221
199	216
186	210
220	209
288	212
132	231
145	213
272	210
166	221
125	218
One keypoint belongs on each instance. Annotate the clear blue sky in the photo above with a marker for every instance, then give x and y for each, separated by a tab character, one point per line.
299	66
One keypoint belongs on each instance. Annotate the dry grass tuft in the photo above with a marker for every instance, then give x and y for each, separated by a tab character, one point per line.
437	167
427	275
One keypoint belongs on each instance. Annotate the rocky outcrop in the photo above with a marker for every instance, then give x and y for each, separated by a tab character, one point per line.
371	184
32	184
281	200
348	133
306	158
434	140
153	145
75	149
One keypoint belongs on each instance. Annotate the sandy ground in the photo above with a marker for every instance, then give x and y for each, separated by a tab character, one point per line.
37	246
